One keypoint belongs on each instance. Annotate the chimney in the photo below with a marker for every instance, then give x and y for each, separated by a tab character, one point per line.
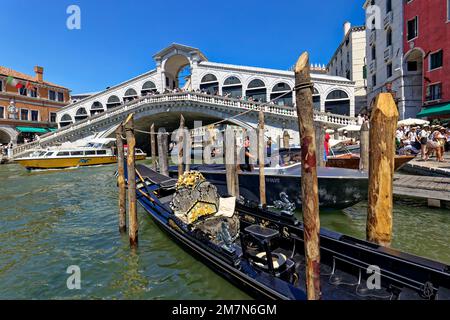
39	71
347	27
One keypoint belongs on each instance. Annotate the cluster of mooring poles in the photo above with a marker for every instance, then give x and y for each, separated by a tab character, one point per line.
377	157
128	128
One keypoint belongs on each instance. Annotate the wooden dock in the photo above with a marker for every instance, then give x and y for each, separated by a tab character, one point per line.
435	189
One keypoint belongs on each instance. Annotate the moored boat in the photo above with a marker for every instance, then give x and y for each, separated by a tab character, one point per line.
338	188
263	253
95	152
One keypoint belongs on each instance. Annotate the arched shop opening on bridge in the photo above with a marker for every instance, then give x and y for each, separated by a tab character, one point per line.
130	95
113	101
316	99
338	102
148	88
5	138
96	108
282	92
81	114
210	84
232	86
66	120
257	90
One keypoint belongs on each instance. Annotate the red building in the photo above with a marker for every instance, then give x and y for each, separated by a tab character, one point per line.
427	56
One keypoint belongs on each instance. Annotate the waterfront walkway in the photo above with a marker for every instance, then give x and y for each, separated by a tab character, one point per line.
430	167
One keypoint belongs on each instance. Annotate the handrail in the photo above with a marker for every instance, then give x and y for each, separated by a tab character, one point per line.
186	96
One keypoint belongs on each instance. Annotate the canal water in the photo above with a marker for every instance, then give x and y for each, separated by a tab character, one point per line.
55	219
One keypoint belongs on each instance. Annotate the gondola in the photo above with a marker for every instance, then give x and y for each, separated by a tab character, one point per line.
338	188
262	252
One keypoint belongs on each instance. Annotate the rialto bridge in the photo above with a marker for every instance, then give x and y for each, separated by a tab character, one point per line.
185	82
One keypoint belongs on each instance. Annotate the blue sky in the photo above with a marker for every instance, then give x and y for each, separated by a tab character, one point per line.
118	38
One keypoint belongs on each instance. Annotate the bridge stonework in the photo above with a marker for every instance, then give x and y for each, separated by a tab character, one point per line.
278	119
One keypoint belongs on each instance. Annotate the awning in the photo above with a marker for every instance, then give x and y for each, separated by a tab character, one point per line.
443	109
32	130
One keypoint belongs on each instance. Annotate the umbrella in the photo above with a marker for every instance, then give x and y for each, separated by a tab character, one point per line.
351	127
413	122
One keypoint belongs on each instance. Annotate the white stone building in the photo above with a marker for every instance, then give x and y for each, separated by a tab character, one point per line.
384	50
179	66
349	62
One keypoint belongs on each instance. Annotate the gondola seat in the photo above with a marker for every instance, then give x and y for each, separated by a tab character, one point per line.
278	260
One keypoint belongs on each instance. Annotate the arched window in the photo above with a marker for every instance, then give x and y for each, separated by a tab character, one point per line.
256	90
113	102
81	114
148	88
96	107
284	91
65	120
338	102
232	87
316	99
210	84
130	95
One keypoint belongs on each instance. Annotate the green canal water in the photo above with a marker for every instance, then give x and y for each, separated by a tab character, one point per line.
55	219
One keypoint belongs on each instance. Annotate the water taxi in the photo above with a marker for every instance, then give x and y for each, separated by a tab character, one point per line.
94	152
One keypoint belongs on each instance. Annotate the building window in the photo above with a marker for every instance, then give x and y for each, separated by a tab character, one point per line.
60	97
448	10
374	80
2	112
436	59
23	91
389	70
389	38
374	53
34	115
388	6
412	66
413	28
52	95
1	85
434	92
53	117
24	114
33	93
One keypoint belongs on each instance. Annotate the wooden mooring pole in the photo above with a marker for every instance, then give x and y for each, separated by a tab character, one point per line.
383	124
364	147
180	146
132	209
310	192
320	147
153	147
187	149
163	152
261	158
121	181
230	164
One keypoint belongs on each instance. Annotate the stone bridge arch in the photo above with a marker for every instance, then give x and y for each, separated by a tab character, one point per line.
7	135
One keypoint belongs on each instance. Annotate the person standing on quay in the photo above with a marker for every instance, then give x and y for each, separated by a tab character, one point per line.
423	137
326	144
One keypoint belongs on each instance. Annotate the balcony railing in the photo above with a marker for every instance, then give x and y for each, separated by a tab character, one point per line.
388	52
388	19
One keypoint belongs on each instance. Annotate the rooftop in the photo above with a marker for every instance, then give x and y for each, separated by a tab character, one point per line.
22	76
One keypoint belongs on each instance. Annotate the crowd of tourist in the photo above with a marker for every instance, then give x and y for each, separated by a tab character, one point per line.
207	92
427	140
